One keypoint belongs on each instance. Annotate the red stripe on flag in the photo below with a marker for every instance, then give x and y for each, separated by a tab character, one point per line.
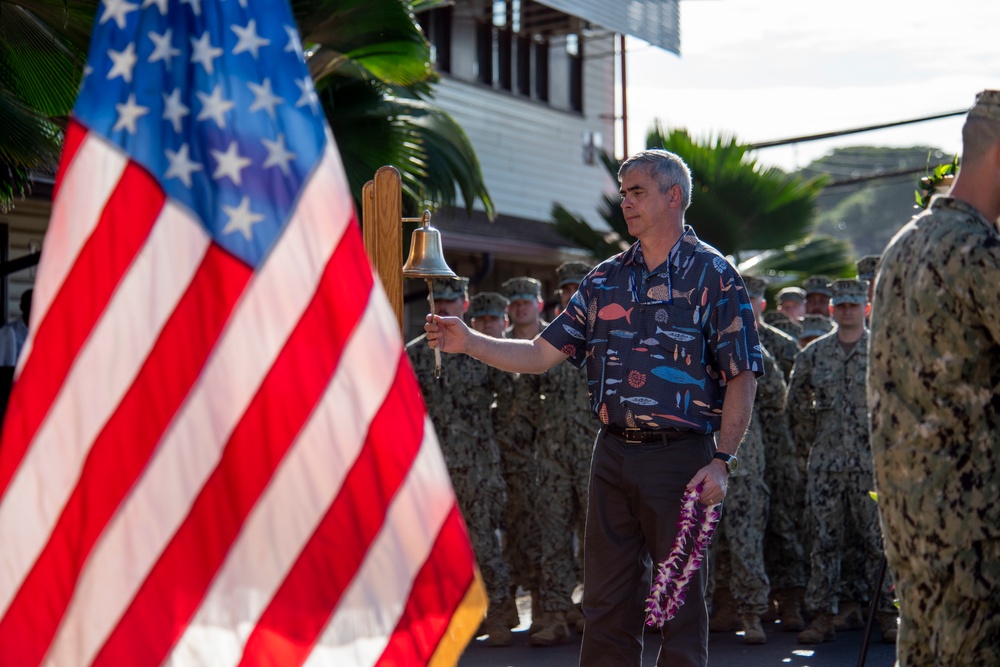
75	134
293	621
75	310
438	589
124	445
175	587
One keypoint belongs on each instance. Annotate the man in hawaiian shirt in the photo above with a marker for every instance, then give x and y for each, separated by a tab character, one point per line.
666	333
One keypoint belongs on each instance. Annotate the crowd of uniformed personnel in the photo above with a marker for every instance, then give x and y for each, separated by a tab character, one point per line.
801	544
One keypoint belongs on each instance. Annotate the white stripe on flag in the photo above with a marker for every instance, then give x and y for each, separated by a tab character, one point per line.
302	490
110	358
371	607
84	191
191	448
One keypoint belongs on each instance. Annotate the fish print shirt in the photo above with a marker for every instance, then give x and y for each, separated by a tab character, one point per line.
659	346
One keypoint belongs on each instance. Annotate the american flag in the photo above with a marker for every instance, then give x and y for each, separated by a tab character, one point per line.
215	452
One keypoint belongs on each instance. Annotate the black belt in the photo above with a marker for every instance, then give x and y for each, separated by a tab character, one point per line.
647	435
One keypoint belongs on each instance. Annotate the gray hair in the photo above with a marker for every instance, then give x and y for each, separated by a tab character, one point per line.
667	168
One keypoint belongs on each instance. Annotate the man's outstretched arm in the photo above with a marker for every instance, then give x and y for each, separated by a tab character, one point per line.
449	334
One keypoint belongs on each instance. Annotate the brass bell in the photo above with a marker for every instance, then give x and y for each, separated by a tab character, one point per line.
426	258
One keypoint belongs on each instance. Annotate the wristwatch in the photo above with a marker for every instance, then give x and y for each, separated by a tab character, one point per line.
731	461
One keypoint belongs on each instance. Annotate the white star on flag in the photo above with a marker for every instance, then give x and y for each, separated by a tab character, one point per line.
174	110
230	163
277	154
264	97
204	53
241	219
181	165
249	40
128	113
123	61
308	95
214	106
163	50
117	10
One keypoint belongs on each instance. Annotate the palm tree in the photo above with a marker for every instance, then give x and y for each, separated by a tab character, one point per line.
737	205
43	47
370	61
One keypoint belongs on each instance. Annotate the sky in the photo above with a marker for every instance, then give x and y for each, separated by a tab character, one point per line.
774	69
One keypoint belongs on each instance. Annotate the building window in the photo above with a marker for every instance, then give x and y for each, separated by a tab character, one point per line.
516	46
574	52
436	25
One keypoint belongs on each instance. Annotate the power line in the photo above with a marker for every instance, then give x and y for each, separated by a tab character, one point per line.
908	171
857	130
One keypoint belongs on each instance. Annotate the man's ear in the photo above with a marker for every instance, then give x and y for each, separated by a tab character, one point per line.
541	306
868	308
465	306
676	196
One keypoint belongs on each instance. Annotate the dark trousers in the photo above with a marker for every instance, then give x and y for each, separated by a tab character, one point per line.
635	499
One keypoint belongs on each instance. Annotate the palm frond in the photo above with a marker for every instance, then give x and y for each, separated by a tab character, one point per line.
736	204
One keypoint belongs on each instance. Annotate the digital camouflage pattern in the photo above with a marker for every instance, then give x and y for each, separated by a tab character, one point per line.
517	417
459	406
565	448
867	267
744	519
933	392
828	407
829	413
817	285
785	474
781	346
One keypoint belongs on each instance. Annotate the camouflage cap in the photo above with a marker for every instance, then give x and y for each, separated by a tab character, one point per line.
755	286
488	303
817	285
449	289
781	322
814	326
867	266
522	289
850	291
572	272
987	105
796	294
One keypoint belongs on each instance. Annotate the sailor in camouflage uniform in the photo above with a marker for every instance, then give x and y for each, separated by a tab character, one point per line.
867	267
933	392
781	322
740	533
792	303
854	587
818	293
565	446
458	404
785	556
814	326
488	313
829	411
518	414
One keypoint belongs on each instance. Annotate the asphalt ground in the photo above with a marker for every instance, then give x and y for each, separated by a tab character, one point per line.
781	650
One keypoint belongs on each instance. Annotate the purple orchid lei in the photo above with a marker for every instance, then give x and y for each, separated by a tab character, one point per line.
672	577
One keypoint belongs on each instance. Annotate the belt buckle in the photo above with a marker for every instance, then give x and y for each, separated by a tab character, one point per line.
634	436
